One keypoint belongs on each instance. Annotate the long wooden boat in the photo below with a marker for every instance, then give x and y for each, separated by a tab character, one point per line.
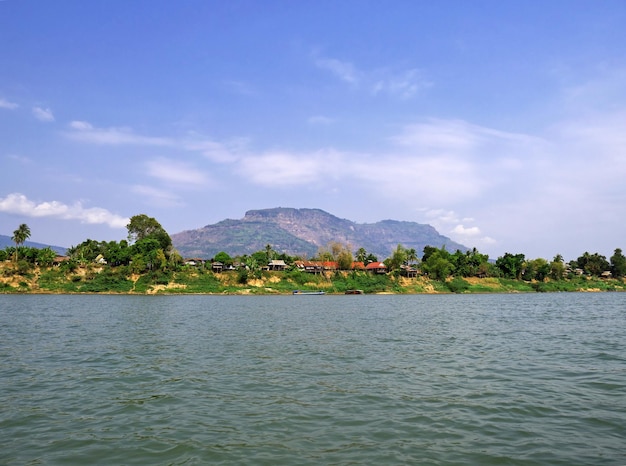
308	292
354	291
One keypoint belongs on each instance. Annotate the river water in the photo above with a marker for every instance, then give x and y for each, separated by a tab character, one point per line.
528	379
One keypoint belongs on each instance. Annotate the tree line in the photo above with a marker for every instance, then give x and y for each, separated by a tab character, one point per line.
148	247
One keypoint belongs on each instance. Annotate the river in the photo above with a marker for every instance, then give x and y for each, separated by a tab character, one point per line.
521	379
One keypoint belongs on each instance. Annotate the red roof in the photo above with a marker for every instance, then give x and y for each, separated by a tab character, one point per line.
375	265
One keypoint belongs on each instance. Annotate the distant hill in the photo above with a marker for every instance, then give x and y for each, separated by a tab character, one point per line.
7	241
302	231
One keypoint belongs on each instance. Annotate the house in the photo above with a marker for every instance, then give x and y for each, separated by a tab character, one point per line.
408	271
217	267
330	266
376	267
58	260
310	266
606	274
277	265
100	259
194	261
358	266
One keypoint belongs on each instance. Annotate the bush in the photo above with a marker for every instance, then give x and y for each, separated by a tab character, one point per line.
242	276
457	285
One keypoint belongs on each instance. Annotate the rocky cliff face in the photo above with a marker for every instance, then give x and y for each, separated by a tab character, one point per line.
302	231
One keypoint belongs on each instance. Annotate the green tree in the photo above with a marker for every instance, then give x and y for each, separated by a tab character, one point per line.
260	258
20	236
175	259
371	258
557	268
511	265
361	255
536	269
45	257
142	227
438	263
618	263
593	264
397	259
411	256
344	259
428	251
87	251
224	258
160	261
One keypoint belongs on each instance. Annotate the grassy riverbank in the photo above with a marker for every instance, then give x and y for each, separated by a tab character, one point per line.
95	279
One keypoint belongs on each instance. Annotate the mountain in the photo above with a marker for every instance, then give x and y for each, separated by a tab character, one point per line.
7	241
301	232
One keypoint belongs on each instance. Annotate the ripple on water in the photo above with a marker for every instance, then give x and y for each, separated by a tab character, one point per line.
274	380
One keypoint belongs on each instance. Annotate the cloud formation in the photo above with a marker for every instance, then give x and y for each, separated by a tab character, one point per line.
16	203
85	132
345	71
174	172
159	196
434	168
8	105
43	114
403	84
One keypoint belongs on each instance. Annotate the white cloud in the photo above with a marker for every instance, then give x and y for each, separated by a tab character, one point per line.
403	84
219	152
175	172
85	132
43	114
465	231
215	151
8	105
155	195
16	203
279	169
81	125
341	69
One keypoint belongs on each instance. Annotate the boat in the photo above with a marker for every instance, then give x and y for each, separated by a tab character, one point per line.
308	292
354	291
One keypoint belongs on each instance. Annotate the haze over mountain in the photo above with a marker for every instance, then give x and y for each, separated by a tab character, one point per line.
7	241
301	232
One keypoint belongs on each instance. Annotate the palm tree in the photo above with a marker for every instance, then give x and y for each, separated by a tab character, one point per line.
411	256
20	236
361	255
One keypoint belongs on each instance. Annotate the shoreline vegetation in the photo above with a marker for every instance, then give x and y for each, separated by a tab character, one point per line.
100	279
147	263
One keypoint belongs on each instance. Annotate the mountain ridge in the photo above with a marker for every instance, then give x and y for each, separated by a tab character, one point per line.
6	240
301	232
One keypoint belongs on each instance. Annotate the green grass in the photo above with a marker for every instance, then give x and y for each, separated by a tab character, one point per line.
191	280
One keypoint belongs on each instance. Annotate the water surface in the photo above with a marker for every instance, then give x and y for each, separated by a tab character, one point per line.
450	379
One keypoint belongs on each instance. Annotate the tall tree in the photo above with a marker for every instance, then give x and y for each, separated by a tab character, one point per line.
511	265
344	259
618	263
20	236
411	256
557	268
593	264
142	227
398	258
438	263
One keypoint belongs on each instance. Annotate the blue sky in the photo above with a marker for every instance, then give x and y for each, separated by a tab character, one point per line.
500	123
